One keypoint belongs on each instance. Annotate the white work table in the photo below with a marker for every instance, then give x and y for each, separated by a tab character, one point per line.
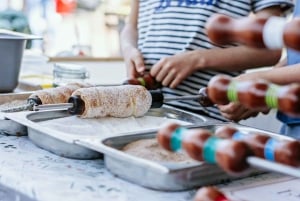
40	175
30	173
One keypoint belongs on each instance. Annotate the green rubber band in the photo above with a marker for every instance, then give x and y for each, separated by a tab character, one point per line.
142	81
232	92
209	149
176	138
271	96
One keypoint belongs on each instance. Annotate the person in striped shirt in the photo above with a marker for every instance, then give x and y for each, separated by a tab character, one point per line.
167	38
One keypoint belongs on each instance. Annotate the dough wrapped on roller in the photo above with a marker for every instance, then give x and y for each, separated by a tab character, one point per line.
116	101
56	95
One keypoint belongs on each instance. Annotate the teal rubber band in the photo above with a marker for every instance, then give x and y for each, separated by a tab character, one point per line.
271	96
232	92
176	138
238	136
209	149
269	150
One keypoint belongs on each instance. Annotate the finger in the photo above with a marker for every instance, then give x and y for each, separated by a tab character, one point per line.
229	108
139	63
226	115
168	79
266	111
224	112
233	111
156	68
178	79
162	74
131	71
238	114
248	114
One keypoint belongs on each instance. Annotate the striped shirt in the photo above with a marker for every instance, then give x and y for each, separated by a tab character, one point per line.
168	27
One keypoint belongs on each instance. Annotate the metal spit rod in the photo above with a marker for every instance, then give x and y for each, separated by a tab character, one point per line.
59	106
66	106
274	167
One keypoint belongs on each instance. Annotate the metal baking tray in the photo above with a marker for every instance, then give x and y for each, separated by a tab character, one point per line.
63	142
171	176
7	126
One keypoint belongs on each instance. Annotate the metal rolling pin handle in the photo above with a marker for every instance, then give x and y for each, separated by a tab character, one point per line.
158	98
75	105
31	102
59	106
27	107
272	166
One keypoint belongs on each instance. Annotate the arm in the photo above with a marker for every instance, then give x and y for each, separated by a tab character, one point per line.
129	36
281	76
172	70
237	112
234	58
244	57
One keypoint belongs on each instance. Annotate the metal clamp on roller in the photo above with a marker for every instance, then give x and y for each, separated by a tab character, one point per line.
157	99
78	105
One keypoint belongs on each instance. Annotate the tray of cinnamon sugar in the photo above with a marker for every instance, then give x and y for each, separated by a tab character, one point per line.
160	161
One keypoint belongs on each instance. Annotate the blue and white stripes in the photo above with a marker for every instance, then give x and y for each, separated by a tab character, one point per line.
168	27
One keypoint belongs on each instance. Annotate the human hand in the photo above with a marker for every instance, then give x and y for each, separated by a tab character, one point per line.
134	62
170	71
236	112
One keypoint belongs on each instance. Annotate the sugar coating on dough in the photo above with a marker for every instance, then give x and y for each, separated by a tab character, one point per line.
115	101
57	95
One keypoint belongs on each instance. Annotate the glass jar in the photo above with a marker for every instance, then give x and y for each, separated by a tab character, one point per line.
64	73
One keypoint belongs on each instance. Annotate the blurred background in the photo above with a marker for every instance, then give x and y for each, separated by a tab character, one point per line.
70	28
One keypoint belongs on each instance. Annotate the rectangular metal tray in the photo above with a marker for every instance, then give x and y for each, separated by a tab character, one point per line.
164	176
7	126
63	142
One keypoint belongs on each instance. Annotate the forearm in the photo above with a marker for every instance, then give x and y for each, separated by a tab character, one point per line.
129	37
282	75
234	58
240	57
129	34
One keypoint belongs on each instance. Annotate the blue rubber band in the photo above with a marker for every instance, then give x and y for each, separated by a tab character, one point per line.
269	150
238	136
176	138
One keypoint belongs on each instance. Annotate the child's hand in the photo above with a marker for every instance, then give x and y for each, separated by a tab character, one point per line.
237	112
134	62
170	71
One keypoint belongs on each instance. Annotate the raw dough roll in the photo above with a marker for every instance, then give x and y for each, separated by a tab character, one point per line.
116	101
57	95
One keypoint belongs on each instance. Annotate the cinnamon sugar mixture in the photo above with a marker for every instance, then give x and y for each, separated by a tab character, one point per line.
150	149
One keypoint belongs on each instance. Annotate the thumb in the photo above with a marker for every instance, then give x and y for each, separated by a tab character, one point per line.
139	64
131	71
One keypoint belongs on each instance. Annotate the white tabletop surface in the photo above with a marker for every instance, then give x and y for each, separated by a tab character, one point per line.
43	176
